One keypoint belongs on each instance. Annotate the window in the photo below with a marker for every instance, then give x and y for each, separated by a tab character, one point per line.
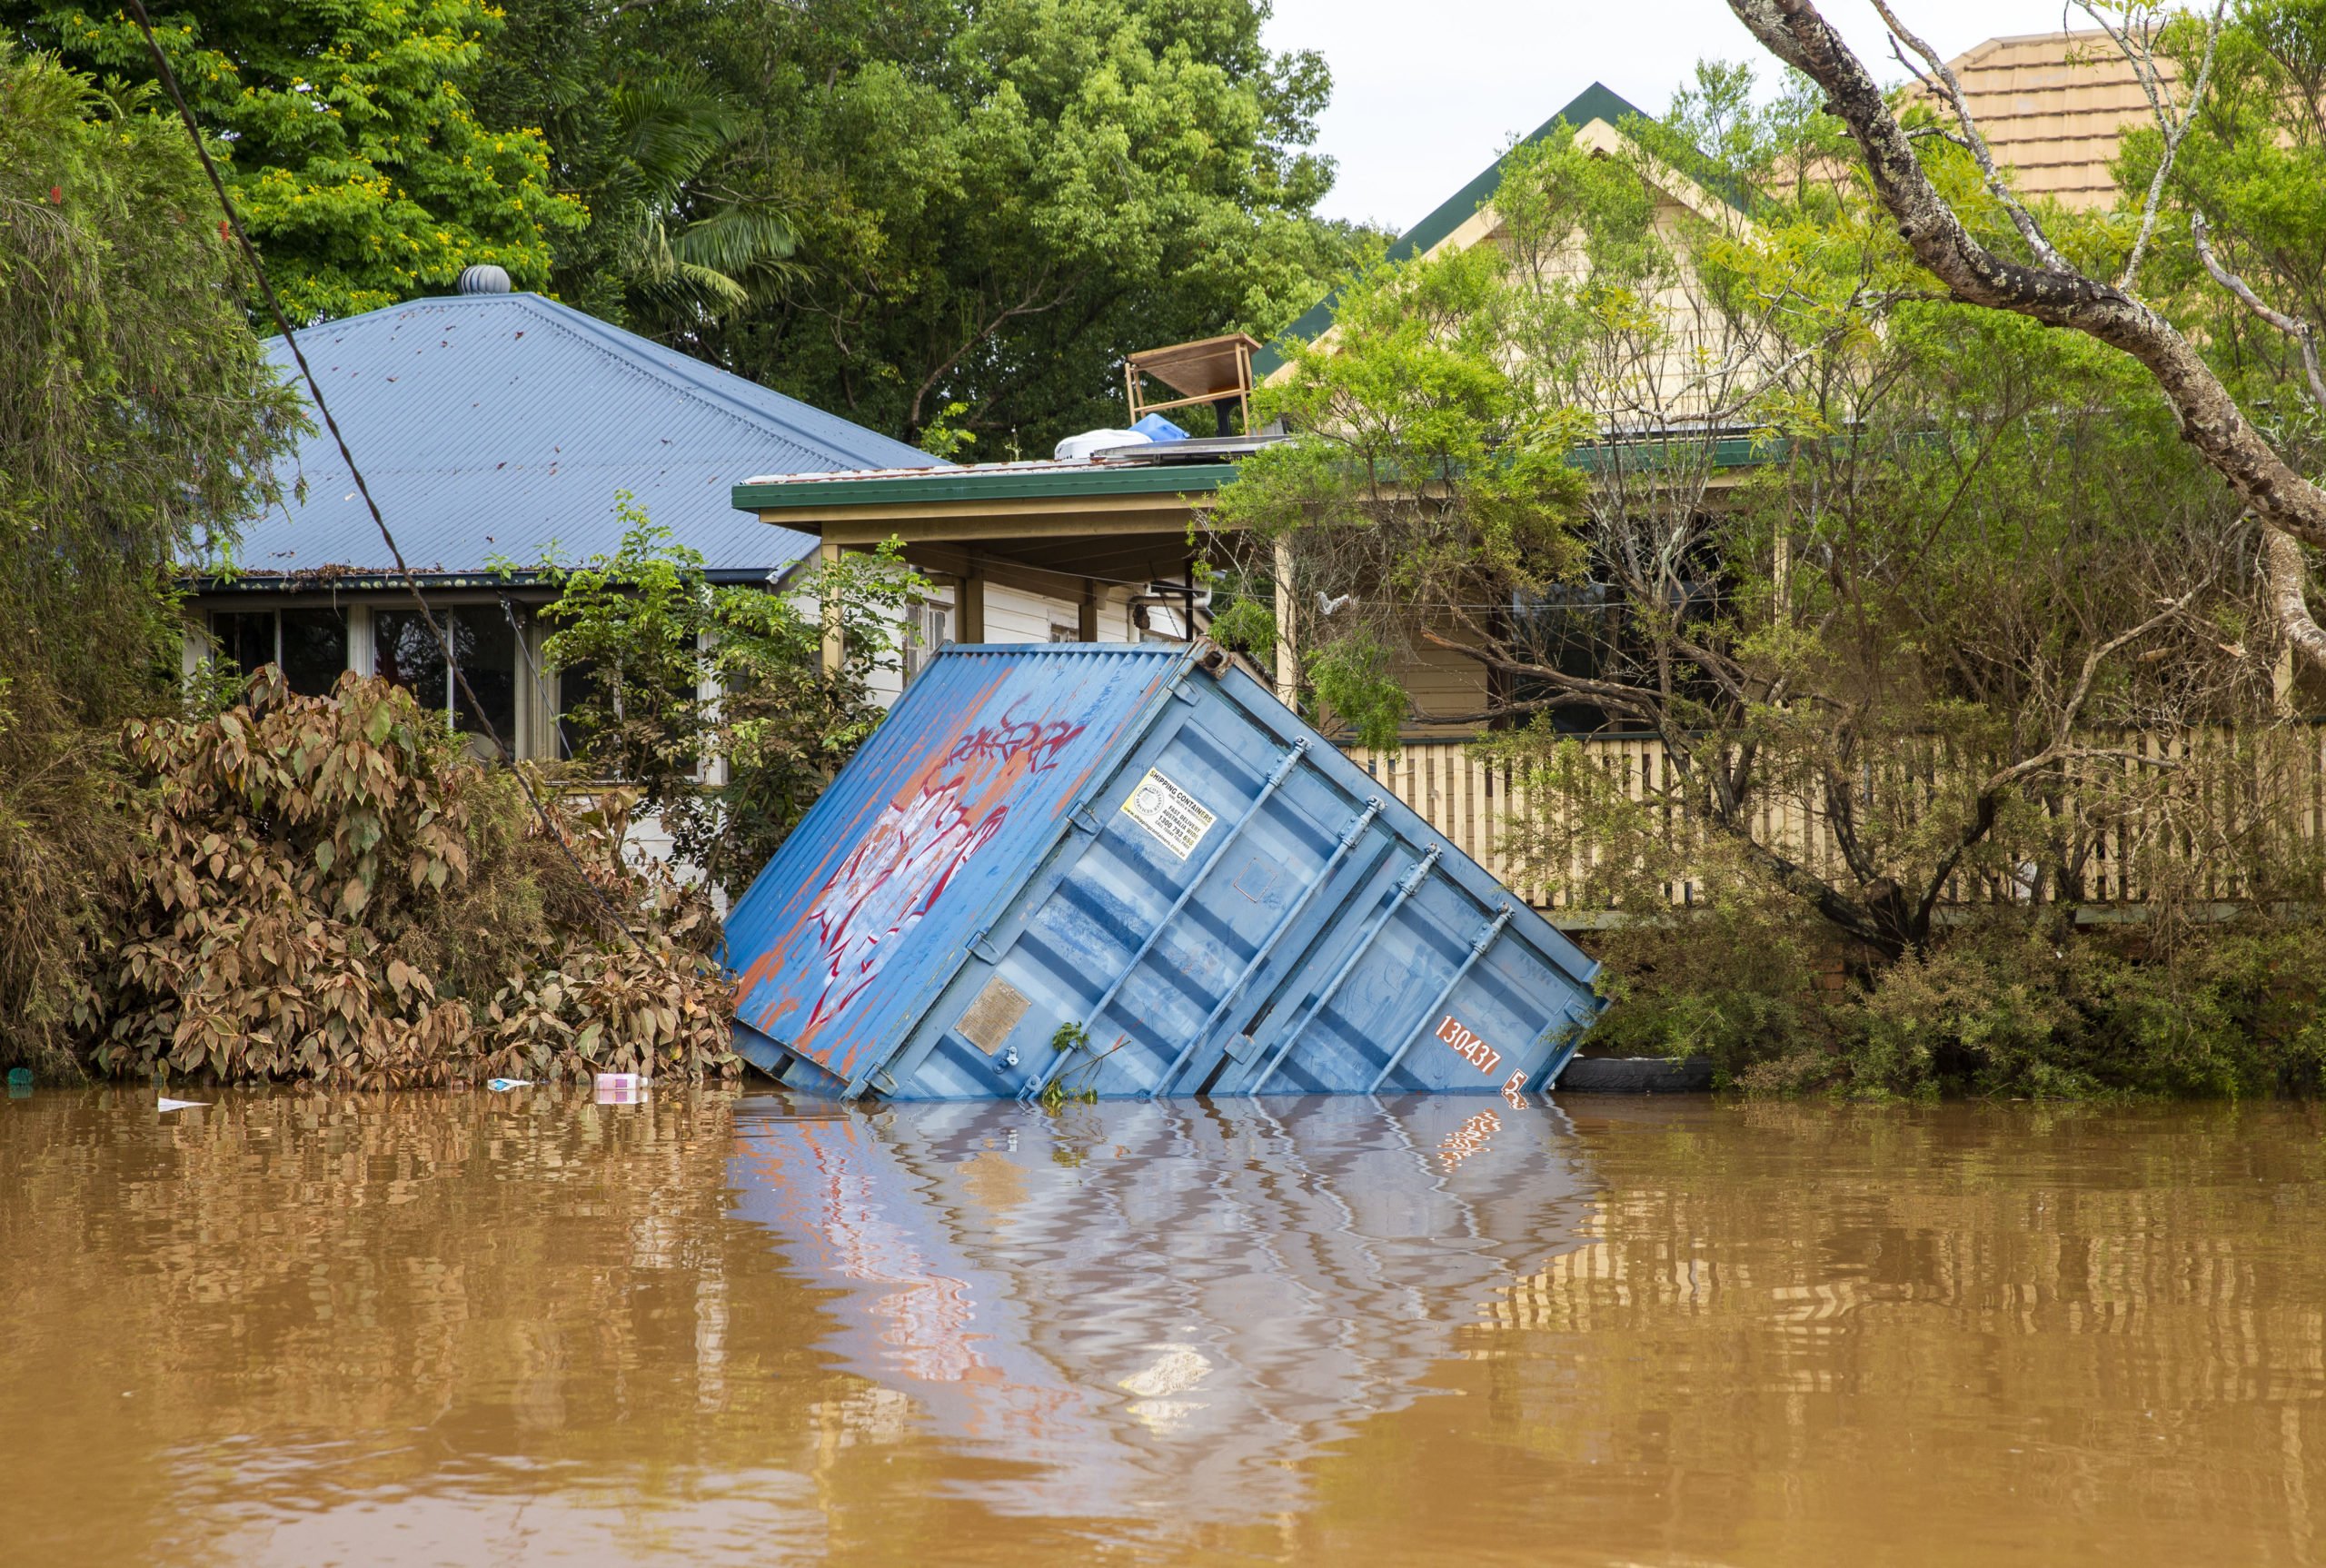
484	644
310	645
576	685
314	649
1065	632
929	626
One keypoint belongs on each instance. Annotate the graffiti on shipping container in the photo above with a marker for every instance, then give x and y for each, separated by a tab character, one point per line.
923	838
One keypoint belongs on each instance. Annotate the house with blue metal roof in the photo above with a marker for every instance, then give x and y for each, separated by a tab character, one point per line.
496	428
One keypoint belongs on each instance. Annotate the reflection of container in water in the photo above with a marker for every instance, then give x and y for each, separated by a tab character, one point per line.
1154	1302
1132	870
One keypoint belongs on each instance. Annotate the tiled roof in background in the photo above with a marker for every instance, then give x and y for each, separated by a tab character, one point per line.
2053	106
496	425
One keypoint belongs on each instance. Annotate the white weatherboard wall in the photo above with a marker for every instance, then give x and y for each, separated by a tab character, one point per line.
1018	615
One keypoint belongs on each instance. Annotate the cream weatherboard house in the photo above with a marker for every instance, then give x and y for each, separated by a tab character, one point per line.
1066	530
1122	519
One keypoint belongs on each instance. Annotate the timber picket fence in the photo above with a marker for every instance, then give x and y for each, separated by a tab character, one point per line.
2189	809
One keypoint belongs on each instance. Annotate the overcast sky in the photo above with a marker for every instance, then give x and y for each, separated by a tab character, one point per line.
1427	92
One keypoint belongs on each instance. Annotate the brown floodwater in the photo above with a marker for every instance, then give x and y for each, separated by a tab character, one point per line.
716	1327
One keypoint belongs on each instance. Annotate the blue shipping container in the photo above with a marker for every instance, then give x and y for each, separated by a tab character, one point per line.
1130	869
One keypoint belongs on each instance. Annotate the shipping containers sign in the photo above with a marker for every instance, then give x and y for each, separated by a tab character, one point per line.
1131	871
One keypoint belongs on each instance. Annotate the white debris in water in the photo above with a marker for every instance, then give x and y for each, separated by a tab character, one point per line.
1181	1368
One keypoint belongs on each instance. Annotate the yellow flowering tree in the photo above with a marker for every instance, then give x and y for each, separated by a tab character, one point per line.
356	155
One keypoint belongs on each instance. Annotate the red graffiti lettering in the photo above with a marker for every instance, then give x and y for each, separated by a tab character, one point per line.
916	847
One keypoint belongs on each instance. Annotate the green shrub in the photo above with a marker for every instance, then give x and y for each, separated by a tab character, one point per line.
2008	1005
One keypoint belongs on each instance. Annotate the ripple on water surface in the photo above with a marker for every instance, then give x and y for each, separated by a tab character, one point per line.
729	1328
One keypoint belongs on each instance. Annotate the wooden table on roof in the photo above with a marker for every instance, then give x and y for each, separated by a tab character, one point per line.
1204	371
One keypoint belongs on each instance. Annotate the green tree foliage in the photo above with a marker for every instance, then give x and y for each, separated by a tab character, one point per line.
639	132
946	221
1690	451
136	409
357	159
136	415
2253	166
711	700
996	201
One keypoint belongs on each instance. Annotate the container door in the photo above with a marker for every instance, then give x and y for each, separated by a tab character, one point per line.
1214	848
1417	987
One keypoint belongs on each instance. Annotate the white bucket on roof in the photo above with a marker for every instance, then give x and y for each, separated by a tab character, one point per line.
1075	448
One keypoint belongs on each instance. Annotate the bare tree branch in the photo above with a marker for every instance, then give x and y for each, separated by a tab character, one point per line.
2172	124
2071	709
2304	333
1976	142
1795	32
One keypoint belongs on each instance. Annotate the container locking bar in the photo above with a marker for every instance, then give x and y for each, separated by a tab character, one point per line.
1285	765
1413	879
1478	950
1357	824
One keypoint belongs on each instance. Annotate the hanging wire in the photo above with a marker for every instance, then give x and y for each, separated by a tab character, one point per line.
315	392
538	678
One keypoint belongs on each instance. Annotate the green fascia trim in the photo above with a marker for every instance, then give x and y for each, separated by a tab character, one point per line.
1727	452
944	485
1596	102
939	485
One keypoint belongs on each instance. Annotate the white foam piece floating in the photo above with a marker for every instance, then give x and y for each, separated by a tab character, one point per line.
169	1105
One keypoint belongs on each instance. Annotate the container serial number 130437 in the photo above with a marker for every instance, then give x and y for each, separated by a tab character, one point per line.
1468	1046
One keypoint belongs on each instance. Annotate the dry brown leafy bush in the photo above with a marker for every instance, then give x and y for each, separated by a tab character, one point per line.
333	890
57	825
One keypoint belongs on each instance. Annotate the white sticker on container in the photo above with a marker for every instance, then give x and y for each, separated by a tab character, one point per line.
1169	812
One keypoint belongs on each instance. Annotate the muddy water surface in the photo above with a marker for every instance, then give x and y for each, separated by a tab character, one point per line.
526	1328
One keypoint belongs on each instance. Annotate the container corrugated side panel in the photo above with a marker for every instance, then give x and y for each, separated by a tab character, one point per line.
871	902
1316	936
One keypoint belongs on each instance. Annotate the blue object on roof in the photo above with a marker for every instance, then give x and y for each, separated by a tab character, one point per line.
492	425
1130	868
1155	427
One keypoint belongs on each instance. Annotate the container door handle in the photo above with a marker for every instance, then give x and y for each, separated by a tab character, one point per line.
1356	831
1478	950
1042	1075
1413	879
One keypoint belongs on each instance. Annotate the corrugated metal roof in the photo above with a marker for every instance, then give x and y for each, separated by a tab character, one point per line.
498	425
